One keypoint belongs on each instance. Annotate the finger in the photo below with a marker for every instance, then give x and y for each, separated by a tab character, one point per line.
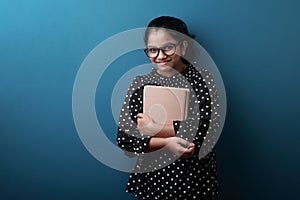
189	150
189	153
186	155
140	115
184	143
139	121
178	150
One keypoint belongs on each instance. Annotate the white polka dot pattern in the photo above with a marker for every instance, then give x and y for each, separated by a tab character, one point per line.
192	178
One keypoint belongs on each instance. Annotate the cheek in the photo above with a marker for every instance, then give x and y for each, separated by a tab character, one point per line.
152	60
176	58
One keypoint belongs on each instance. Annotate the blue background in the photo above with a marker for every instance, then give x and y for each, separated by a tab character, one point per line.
254	43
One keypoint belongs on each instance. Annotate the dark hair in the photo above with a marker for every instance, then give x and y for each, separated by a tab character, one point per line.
174	25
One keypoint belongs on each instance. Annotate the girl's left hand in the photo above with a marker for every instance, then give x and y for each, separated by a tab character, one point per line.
180	147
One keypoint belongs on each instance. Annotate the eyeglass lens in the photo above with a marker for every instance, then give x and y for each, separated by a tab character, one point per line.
168	50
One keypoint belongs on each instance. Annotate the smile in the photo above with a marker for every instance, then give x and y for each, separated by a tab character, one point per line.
163	62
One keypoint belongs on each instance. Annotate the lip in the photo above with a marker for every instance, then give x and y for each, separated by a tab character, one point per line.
163	62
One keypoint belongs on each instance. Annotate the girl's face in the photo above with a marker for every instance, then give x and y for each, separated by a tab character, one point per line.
162	43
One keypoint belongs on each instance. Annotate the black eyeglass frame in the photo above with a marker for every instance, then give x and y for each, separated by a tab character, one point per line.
146	50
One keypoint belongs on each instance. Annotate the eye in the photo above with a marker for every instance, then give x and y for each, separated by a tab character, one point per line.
152	50
168	47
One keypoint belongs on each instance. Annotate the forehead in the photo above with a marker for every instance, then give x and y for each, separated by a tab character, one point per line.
160	37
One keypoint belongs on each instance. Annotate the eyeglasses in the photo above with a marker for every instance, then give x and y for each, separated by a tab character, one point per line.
168	50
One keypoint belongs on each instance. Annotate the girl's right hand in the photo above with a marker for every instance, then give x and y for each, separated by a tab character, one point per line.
146	125
180	147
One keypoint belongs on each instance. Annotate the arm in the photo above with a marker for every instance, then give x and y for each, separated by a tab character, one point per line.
176	145
213	130
163	135
129	138
194	129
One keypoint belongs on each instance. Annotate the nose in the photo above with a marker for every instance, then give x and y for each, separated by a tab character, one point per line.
161	55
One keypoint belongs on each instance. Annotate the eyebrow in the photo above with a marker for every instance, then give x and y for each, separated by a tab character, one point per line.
166	44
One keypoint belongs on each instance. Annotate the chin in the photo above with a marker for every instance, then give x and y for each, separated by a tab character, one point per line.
166	70
164	67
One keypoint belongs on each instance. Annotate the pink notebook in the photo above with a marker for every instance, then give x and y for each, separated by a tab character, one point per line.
166	103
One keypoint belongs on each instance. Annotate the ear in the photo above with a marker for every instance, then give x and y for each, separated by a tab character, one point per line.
184	45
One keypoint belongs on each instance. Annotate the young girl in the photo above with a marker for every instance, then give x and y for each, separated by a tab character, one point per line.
168	165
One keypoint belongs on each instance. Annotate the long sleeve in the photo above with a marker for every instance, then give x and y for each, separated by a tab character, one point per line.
195	127
129	138
212	133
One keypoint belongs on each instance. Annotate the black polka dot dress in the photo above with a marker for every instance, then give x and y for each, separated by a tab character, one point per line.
161	175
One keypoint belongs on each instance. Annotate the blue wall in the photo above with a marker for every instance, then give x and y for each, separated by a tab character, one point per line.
254	43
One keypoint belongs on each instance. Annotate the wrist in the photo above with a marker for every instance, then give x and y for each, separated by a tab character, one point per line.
167	141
